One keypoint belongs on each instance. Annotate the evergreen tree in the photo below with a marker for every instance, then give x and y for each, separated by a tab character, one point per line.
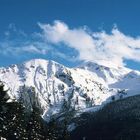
35	126
53	131
12	118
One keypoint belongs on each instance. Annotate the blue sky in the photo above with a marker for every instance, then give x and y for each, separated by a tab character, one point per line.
27	30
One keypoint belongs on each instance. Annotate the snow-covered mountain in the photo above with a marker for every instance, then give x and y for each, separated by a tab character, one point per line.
55	88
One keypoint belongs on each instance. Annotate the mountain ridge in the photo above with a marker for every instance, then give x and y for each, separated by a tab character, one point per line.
81	88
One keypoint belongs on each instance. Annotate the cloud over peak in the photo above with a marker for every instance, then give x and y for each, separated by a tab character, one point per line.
93	46
59	41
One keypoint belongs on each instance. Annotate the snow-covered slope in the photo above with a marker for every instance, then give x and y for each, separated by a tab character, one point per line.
55	88
107	73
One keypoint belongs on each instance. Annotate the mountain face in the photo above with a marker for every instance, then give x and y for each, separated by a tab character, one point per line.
118	120
55	88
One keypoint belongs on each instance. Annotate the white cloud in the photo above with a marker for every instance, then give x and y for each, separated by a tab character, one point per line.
33	49
101	47
96	46
12	29
12	48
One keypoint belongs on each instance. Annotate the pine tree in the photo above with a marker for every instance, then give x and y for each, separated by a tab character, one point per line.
12	118
65	133
53	131
3	95
35	126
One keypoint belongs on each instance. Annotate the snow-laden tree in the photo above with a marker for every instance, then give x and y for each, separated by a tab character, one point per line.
16	123
12	118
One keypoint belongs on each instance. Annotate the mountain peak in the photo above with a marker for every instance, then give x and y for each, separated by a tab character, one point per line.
88	85
103	63
39	61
